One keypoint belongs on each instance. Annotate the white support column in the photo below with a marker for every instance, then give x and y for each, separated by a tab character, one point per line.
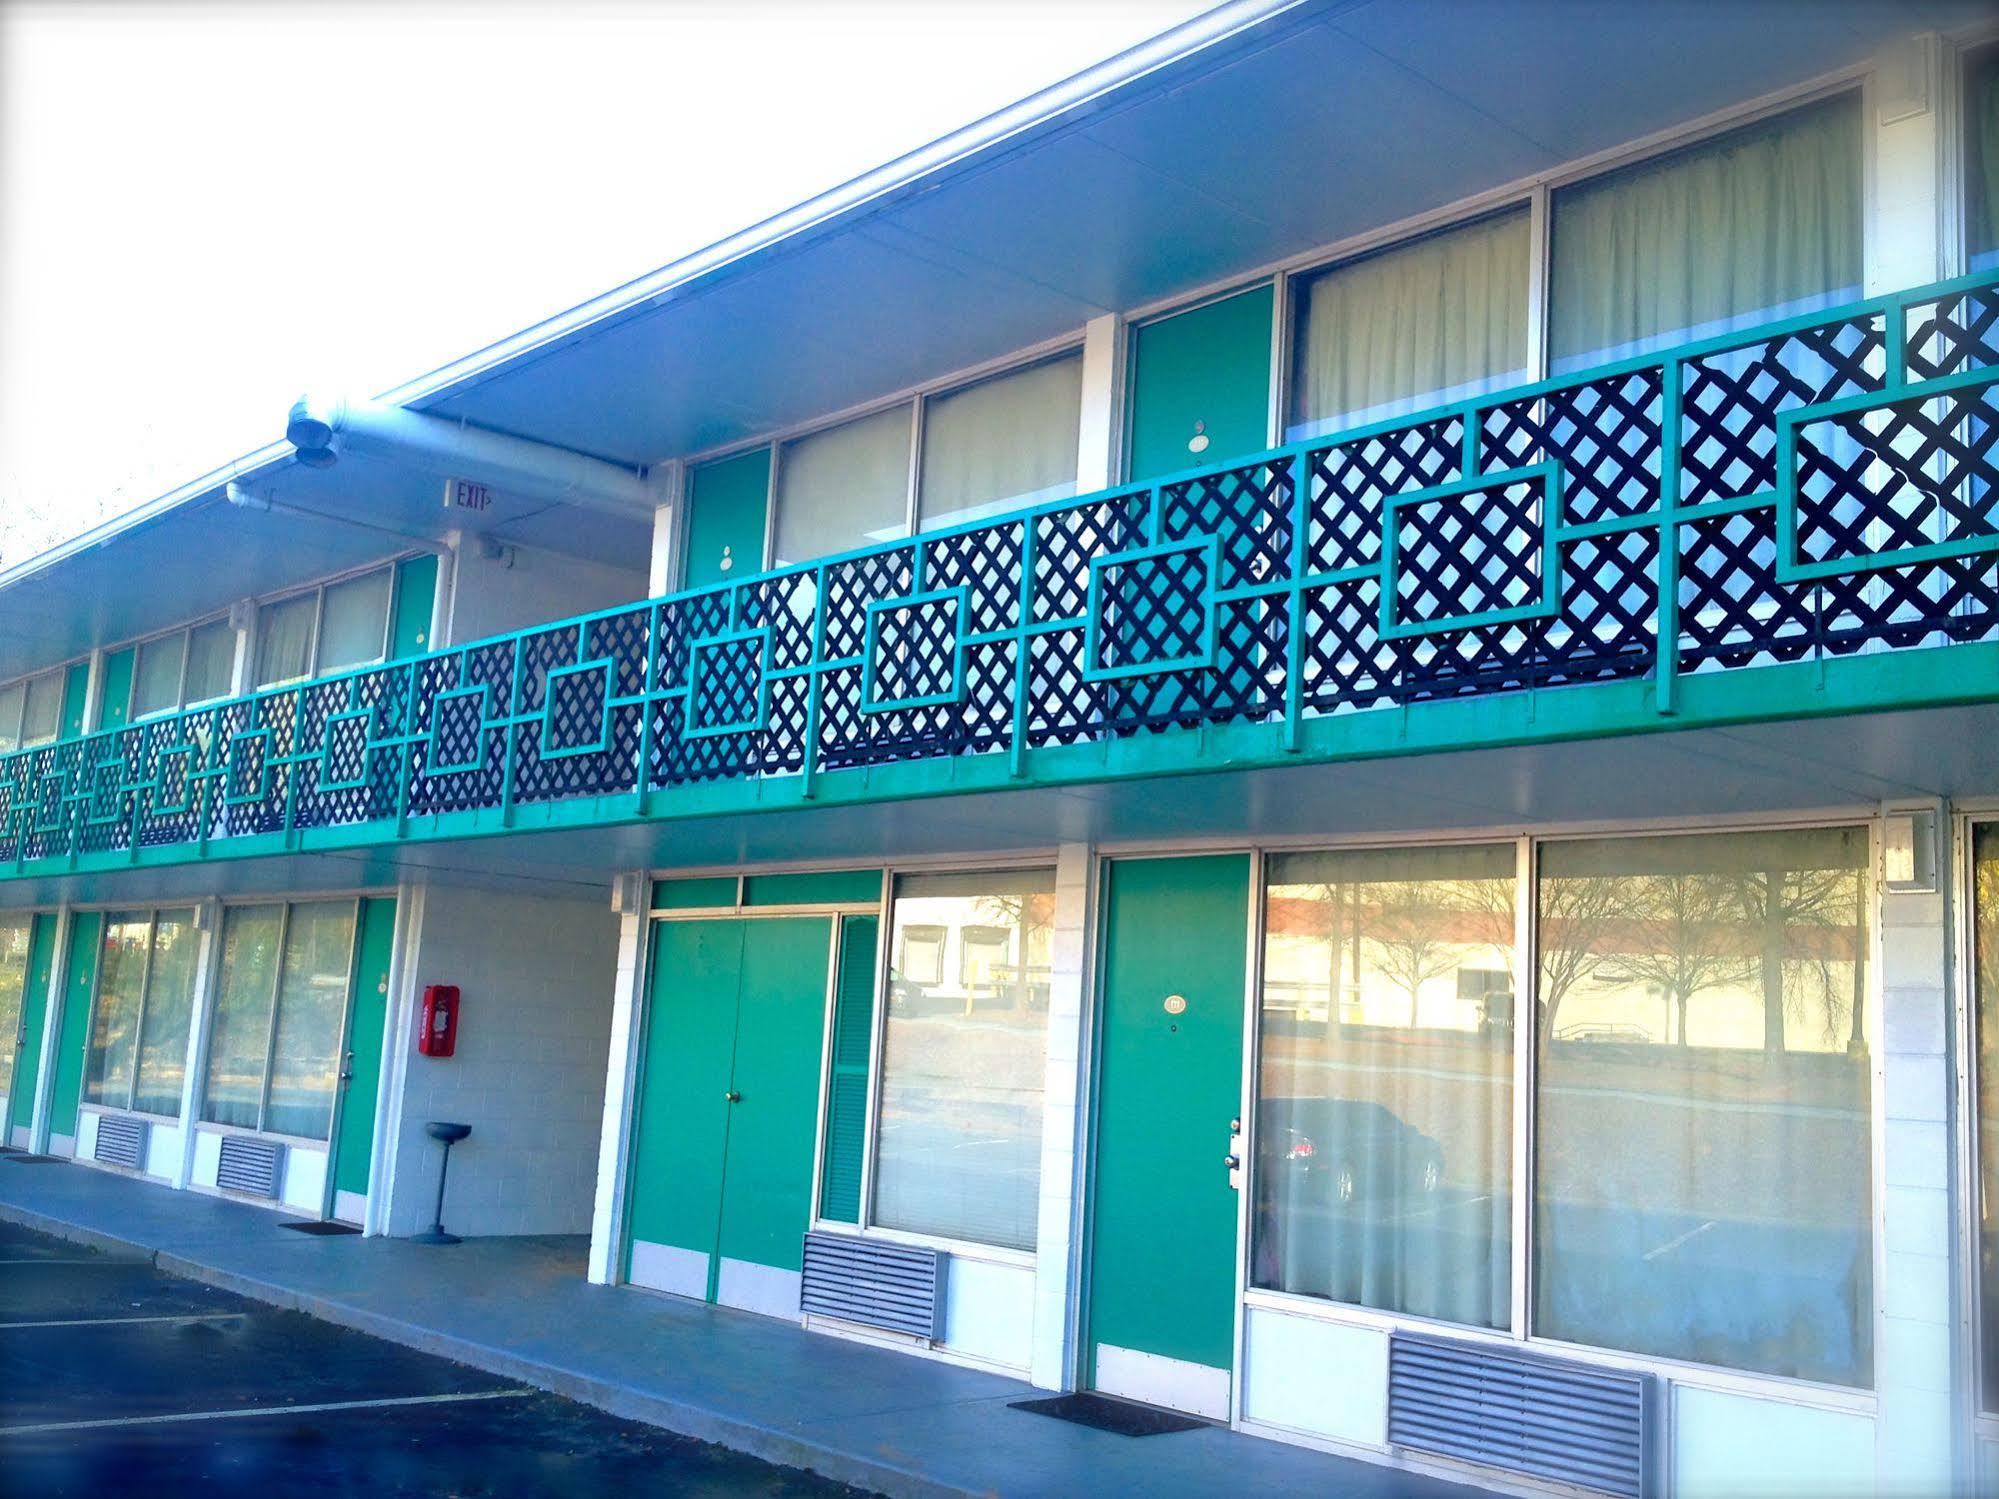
45	1063
384	1179
243	620
1064	1120
607	1227
1912	1347
660	576
1906	176
1099	442
443	596
207	962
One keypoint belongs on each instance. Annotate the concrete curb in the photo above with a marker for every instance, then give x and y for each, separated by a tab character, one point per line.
679	1417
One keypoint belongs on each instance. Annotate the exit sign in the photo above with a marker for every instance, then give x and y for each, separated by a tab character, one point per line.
463	494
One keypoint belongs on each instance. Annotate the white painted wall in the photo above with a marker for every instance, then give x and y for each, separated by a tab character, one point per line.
1319	1378
1730	1446
533	1035
1058	1259
523	587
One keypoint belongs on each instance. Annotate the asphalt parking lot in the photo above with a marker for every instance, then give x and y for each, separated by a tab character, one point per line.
117	1379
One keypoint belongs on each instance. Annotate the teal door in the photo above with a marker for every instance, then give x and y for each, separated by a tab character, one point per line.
1162	1281
1200	385
86	930
726	505
34	1015
721	1163
361	1068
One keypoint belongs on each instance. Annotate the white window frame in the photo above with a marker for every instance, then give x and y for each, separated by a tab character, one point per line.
152	916
185	633
317	592
57	674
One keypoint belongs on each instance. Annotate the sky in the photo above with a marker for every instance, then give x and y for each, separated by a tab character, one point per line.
206	209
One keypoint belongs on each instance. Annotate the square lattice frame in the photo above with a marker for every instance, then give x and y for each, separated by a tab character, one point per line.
1208	548
697	679
327	782
432	765
190	784
603	667
233	798
1547	477
960	599
1791	568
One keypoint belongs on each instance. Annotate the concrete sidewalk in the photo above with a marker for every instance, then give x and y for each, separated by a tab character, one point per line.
521	1308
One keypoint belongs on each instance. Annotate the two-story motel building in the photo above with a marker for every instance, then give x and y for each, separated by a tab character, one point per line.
1305	731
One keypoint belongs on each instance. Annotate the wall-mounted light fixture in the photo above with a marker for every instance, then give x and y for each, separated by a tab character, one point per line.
1909	849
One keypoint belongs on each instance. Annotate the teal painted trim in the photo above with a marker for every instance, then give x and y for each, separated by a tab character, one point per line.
839	887
697	681
959	599
214	781
1208	549
1791	568
1547	478
695	894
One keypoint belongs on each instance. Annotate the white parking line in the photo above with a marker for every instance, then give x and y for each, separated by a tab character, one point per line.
120	1321
93	1260
262	1410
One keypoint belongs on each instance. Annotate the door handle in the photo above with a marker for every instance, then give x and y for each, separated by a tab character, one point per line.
347	1069
732	1096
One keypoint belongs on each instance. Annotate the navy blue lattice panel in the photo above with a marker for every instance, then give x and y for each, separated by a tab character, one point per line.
979	720
785	605
1602	434
1492	658
780	748
1245	681
1067	541
728	684
1063	705
913	652
985	562
854	584
682	621
1953	333
178	755
582	741
1351	480
258	779
1932	603
1471	553
463	704
1249	509
1152	610
1733	611
1730	402
1870	486
54	786
1607	626
111	770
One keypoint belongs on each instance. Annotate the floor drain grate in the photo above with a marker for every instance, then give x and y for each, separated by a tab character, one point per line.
1125	1417
322	1228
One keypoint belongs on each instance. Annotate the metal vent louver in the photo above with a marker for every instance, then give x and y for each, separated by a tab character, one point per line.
250	1165
122	1142
899	1287
1541	1417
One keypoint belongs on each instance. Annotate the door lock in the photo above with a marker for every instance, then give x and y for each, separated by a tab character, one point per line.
1233	1160
732	1096
347	1069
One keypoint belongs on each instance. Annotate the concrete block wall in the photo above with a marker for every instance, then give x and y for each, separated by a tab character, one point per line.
521	588
534	1031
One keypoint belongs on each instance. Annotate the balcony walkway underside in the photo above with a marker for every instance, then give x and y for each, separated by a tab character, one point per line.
1793	525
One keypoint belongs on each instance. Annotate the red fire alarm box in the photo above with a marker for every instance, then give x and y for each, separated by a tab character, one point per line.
437	1035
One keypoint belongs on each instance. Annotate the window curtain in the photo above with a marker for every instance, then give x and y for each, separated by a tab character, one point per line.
1416	326
169	1012
1981	133
355	627
10	716
1745	229
240	1033
156	675
13	985
844	488
1985	980
1384	1130
312	1003
1003	442
284	640
211	661
958	1132
1702	1135
41	716
114	1026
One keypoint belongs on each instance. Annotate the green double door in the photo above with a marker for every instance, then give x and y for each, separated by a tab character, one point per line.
1160	1318
721	1165
26	1011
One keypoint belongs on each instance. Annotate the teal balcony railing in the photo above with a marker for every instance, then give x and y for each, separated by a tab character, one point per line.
1813	494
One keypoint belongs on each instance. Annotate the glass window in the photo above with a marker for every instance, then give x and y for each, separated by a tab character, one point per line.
1001	443
240	1032
312	1004
114	1026
169	1009
1384	1115
355	624
274	1058
958	1136
1415	326
13	984
1702	1105
1981	138
211	661
41	714
922	950
156	675
1752	226
1985	978
284	639
10	716
844	488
